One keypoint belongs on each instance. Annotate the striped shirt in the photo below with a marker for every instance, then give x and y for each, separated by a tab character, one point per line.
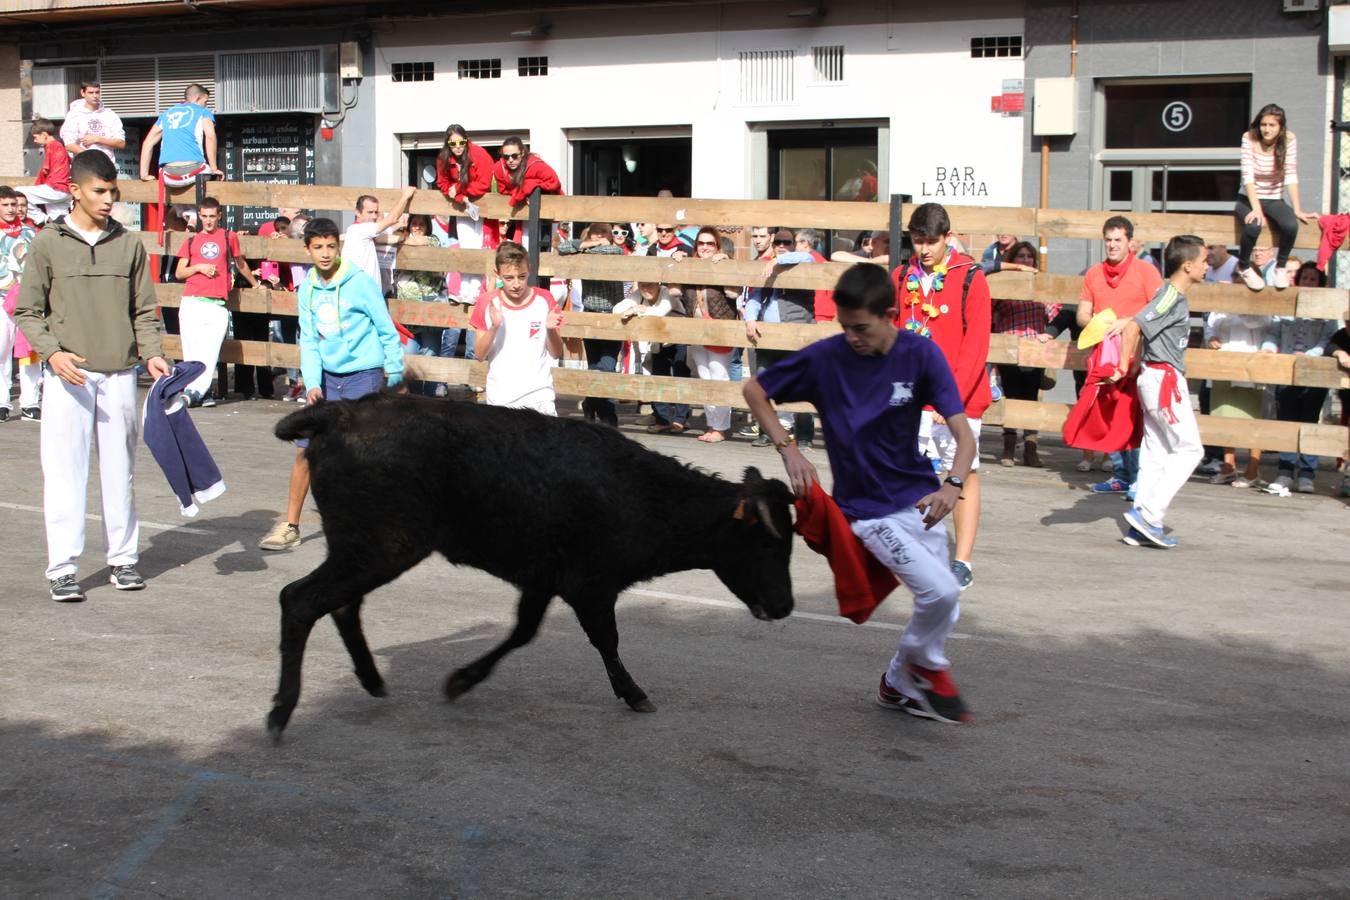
1259	168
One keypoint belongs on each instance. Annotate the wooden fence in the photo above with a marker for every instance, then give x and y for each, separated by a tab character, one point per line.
1264	368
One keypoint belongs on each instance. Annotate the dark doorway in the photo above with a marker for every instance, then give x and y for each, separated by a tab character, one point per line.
824	164
633	167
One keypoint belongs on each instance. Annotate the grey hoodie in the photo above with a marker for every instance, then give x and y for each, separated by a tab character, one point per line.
96	301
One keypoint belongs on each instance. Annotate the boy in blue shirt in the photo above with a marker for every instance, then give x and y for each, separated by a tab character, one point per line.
870	385
188	130
348	344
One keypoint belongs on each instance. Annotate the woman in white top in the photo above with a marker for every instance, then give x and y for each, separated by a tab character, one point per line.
1269	168
1236	333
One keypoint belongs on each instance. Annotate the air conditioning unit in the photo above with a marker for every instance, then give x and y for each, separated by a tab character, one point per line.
1298	6
349	60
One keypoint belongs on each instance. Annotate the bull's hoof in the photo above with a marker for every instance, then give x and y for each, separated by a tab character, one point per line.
458	684
377	690
276	724
643	705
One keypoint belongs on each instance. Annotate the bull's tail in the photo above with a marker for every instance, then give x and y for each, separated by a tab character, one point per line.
309	422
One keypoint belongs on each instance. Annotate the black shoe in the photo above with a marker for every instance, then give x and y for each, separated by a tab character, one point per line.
126	578
32	414
763	440
940	699
66	589
4	414
748	431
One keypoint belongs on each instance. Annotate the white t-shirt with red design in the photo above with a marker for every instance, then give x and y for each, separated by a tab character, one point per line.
520	368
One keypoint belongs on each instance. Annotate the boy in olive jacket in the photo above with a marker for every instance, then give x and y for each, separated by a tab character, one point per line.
87	305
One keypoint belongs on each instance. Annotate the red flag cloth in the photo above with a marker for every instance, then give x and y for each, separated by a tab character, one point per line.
1334	229
1107	416
861	582
404	335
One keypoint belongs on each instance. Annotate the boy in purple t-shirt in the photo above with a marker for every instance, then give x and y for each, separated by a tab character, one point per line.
870	386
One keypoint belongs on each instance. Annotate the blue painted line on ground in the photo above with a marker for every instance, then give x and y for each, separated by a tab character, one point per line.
139	852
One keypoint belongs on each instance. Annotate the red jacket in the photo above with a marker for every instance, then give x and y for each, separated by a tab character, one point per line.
861	582
480	175
55	171
538	174
966	346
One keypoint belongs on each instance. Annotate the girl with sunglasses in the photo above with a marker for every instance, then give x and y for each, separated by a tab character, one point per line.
713	363
518	172
464	175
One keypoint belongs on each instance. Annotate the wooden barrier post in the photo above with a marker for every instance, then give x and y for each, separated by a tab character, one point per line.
532	238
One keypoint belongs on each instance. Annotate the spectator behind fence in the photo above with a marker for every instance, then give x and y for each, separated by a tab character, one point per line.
1025	319
1338	348
1269	168
253	382
1121	284
15	352
1299	403
712	362
1236	333
671	360
49	194
599	296
349	348
204	262
464	175
792	306
358	244
518	336
1222	265
518	173
419	285
90	125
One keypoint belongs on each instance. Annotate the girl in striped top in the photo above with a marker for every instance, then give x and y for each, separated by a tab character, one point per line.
1269	167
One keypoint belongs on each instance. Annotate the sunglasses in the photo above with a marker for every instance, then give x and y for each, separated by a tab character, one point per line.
455	143
707	243
510	156
660	230
782	243
619	232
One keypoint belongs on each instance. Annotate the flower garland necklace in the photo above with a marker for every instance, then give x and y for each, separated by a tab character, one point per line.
914	284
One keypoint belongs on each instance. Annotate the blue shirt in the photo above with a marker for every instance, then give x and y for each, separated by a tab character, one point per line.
184	125
871	407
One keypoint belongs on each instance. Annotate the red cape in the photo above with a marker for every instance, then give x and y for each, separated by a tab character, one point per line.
1107	416
861	582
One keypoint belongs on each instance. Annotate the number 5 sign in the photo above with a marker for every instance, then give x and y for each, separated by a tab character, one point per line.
1176	116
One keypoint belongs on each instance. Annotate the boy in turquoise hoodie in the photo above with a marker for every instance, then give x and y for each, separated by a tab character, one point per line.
348	344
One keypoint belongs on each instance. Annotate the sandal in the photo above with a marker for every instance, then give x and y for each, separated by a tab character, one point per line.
712	437
676	427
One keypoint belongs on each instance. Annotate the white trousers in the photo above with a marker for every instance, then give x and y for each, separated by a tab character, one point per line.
919	559
30	374
712	366
103	408
470	236
44	201
202	326
1170	450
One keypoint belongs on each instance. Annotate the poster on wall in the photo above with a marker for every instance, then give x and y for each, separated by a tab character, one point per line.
274	151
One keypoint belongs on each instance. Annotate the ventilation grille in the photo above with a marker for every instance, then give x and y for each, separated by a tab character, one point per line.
767	77
146	85
270	81
827	64
413	71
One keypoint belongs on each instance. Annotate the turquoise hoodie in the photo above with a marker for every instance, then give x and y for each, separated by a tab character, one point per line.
345	327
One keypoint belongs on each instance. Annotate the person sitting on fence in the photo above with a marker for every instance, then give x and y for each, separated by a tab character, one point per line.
1269	168
1171	446
204	262
1124	286
464	175
712	362
1025	319
1294	402
944	295
49	194
1235	333
775	304
349	348
517	334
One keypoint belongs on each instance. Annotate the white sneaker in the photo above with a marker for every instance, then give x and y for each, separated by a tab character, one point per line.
1252	279
1280	487
1281	278
1083	465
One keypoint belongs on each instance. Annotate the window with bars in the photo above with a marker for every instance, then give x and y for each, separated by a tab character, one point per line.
480	68
413	71
532	66
827	64
998	46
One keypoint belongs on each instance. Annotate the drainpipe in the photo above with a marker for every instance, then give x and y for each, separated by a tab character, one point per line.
1045	140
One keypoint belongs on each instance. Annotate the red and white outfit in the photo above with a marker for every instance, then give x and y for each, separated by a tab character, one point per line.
538	174
49	194
520	367
963	336
469	231
202	317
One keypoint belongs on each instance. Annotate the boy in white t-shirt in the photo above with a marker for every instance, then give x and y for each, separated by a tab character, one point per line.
516	332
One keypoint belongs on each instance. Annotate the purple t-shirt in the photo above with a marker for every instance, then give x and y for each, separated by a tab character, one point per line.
871	406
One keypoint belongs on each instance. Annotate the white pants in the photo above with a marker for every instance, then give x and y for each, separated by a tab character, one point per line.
470	235
44	201
202	326
937	441
103	408
919	559
30	374
712	366
1170	450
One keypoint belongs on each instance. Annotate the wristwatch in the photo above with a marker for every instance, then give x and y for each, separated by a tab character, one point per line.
955	482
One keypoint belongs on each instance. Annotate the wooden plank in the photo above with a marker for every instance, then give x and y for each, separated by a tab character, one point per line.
1322	303
1324	440
1158	227
1320	371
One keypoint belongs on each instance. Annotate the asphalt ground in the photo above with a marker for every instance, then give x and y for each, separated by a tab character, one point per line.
1149	723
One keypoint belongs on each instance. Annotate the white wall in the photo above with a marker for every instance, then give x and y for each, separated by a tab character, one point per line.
664	68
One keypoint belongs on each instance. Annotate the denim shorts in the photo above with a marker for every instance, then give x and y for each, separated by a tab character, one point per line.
349	387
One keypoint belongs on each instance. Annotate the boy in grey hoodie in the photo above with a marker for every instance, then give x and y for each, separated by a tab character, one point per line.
87	305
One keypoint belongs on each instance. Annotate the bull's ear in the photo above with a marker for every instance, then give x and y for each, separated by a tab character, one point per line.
752	478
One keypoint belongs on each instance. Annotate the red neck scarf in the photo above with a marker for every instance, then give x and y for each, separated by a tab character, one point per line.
1115	272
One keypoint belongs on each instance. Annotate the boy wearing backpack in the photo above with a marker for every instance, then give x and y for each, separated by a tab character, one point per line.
942	295
204	264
